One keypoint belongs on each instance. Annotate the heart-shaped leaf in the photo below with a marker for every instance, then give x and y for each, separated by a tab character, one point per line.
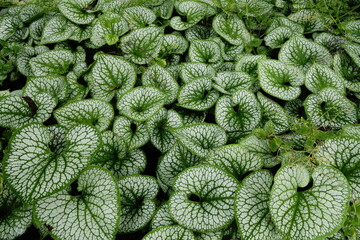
18	111
9	25
93	214
141	103
203	199
201	138
205	51
57	29
162	217
352	130
138	195
251	207
329	108
240	112
348	70
111	76
232	29
352	30
231	81
344	154
249	64
54	62
280	80
14	218
142	45
173	44
253	8
139	17
199	31
193	11
190	71
302	53
319	77
36	165
170	233
235	159
75	10
353	50
321	209
89	111
311	19
277	37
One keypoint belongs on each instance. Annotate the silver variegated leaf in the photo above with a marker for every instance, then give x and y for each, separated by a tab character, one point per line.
249	64
254	8
170	233
193	11
190	71
173	44
231	81
352	30
277	37
352	130
347	69
57	29
138	16
75	11
205	51
162	217
353	50
199	31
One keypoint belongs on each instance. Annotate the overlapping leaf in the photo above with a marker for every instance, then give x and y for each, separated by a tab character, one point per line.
231	81
57	29
190	71
170	233
75	10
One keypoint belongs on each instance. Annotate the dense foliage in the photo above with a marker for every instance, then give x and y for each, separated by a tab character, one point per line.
180	119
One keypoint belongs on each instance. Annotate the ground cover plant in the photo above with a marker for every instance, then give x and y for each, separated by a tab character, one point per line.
180	119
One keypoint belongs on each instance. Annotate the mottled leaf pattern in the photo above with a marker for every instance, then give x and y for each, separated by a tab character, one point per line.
170	233
75	11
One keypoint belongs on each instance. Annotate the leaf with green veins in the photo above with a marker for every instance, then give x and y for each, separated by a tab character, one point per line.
198	32
111	76
9	25
277	37
141	103
231	81
14	218
352	130
209	235
282	21
319	77
346	67
203	199
54	85
107	24
174	161
160	78
143	44
190	71
191	117
251	207
132	132
170	233
173	44
331	41
138	17
18	111
353	50
249	64
314	213
89	111
36	28
35	168
159	127
75	11
344	154
54	62
138	195
24	56
76	91
280	80
232	29
201	138
192	10
162	217
274	112
352	30
94	214
57	29
198	95
240	112
164	10
81	33
254	8
235	159
311	19
302	53
205	51
329	108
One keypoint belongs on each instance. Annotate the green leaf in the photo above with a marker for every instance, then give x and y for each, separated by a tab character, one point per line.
249	64
277	37
280	80
159	127
75	11
160	78
142	45
174	161
231	81
353	49
232	29
240	112
55	86
352	30
302	53
352	130
173	44
138	195
170	233
205	51
329	108
162	217
15	218
201	138
198	95
312	19
88	111
273	112
203	199
199	31
111	76
18	111
234	159
251	207
9	25
54	62
81	33
194	11
36	165
139	17
141	103
319	77
331	41
347	69
76	90
190	71
344	154
321	209
57	29
94	214
253	8
24	56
